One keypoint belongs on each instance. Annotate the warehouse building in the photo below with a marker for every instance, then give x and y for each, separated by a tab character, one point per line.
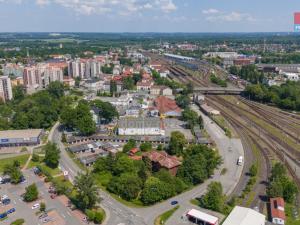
9	138
245	216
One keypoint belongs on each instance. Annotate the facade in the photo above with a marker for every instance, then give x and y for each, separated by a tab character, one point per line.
245	216
161	90
297	22
85	68
144	85
277	211
161	159
5	89
13	69
20	137
141	126
38	77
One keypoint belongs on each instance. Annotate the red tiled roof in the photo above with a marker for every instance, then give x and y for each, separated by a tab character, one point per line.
277	208
163	159
134	150
136	157
165	104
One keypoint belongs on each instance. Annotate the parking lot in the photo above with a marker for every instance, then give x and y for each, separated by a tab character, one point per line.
57	212
172	124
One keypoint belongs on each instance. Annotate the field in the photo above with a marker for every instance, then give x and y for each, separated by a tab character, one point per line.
22	159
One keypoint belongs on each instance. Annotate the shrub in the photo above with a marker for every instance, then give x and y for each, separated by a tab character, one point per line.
35	158
18	222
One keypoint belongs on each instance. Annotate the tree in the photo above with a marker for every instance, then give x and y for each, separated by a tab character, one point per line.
129	145
52	155
56	89
253	170
14	172
128	83
128	186
31	193
43	207
183	101
147	146
106	110
19	92
123	165
156	190
35	157
191	117
113	87
86	188
214	198
177	143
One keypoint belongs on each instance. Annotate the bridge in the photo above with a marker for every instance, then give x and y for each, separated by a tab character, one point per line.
218	91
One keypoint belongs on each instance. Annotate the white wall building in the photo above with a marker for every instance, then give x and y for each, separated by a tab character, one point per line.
5	88
245	216
141	126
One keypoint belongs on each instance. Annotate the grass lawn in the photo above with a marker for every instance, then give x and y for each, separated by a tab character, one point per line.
288	211
51	171
165	216
22	159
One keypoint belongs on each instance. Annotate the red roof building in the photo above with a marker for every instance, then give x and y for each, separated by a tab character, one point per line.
163	160
167	106
277	210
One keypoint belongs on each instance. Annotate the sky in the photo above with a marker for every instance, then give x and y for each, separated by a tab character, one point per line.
147	15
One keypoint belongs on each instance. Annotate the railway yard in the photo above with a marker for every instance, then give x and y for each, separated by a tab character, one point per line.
268	134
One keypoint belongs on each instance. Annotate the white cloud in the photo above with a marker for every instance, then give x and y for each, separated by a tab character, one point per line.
214	15
210	11
121	7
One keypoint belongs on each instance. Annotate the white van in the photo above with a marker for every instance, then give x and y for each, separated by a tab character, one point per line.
240	161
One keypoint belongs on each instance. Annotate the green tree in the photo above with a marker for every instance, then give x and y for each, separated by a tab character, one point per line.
107	110
86	188
56	89
156	190
113	87
128	186
147	146
191	117
14	171
177	143
31	193
43	207
214	198
183	101
253	170
123	165
129	145
52	155
19	92
128	83
35	157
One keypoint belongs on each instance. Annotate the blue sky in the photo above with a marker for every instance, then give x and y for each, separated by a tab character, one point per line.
147	15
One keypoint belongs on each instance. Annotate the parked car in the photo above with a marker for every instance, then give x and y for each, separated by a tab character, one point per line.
174	202
53	196
44	215
23	180
6	201
4	197
12	210
36	206
36	171
3	215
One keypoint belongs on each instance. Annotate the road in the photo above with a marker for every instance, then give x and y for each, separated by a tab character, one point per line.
117	213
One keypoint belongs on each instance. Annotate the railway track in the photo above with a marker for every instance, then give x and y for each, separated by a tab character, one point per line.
270	146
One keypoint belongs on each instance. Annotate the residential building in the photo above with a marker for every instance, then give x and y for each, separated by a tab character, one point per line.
144	85
39	76
161	159
161	90
141	126
167	107
5	89
94	84
277	211
85	68
244	216
20	137
17	81
13	69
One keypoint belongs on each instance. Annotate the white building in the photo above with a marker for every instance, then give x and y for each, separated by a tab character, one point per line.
245	216
5	88
85	68
223	55
141	126
291	76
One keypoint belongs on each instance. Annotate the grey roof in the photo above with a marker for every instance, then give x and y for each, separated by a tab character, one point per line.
89	159
84	147
30	133
141	122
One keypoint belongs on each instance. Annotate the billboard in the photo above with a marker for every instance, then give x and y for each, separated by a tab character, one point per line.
297	22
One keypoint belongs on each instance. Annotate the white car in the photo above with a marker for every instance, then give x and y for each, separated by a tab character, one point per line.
36	206
4	197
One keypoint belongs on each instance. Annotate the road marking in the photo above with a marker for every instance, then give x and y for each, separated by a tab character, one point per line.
15	202
63	215
69	214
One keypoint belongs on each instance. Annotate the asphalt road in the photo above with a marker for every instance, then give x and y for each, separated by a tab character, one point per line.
117	213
